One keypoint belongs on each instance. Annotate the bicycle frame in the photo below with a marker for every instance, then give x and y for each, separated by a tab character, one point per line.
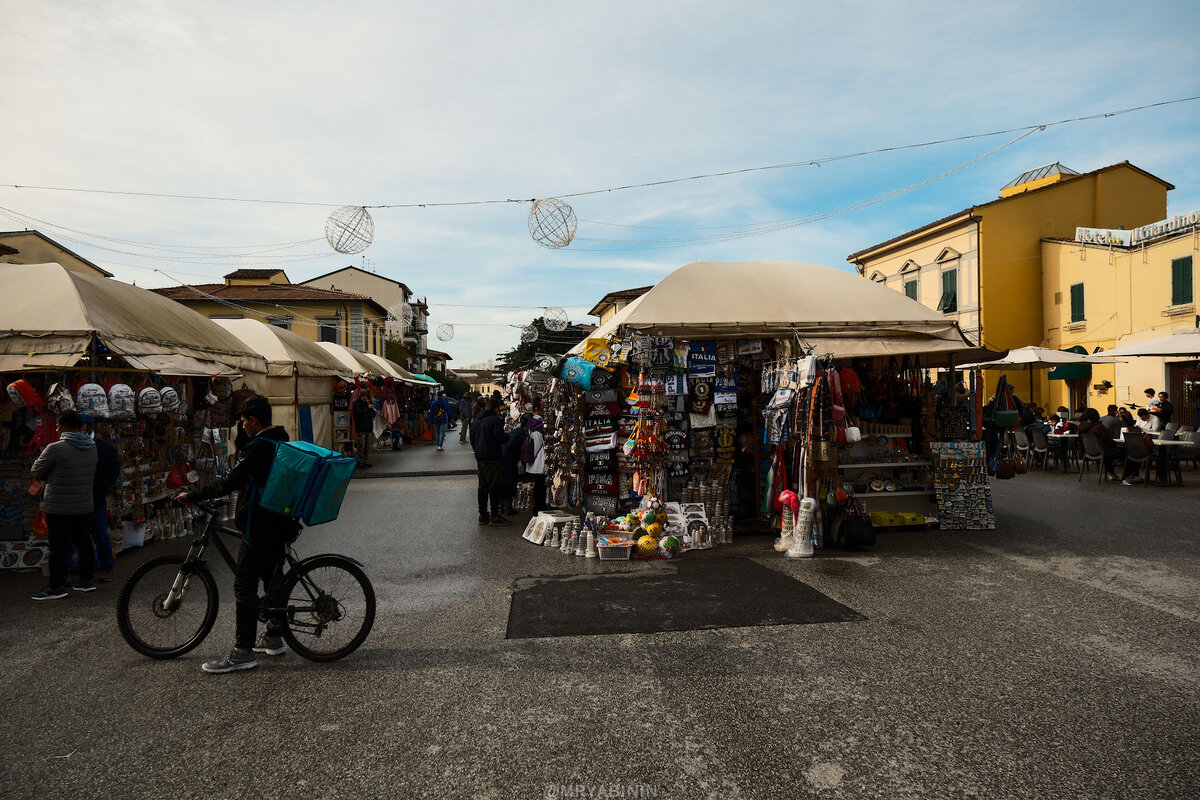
271	603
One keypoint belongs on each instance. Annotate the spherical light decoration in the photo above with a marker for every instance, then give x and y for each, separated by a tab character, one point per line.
556	319
445	331
350	229
552	223
529	334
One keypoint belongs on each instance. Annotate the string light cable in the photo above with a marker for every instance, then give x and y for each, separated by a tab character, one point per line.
808	162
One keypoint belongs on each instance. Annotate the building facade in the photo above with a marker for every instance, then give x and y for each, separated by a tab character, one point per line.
32	247
319	315
1109	290
983	266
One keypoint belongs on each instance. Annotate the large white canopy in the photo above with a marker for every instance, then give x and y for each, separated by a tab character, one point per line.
1180	343
832	310
49	315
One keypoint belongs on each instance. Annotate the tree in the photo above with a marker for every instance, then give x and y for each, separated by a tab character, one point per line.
548	342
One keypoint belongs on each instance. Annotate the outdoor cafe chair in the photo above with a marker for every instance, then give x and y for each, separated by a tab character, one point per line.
1092	453
1191	450
1021	442
1042	449
1136	452
1171	428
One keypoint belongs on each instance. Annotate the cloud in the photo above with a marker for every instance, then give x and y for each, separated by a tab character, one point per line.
407	102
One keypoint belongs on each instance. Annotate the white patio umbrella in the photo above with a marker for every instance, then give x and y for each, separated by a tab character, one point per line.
1033	356
1180	343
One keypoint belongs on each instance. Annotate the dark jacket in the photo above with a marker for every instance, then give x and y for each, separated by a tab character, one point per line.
510	456
487	437
478	408
440	403
364	415
248	477
68	467
108	470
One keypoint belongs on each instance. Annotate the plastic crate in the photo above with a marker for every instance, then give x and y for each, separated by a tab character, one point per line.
886	519
614	552
912	518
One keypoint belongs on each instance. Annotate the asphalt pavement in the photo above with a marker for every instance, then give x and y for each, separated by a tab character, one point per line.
1055	657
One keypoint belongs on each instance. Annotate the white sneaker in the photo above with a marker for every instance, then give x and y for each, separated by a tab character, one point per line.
441	449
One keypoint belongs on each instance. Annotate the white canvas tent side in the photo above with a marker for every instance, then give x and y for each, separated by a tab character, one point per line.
298	381
829	310
50	315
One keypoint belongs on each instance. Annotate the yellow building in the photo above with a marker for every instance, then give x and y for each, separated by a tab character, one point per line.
613	302
31	247
319	315
983	266
1110	288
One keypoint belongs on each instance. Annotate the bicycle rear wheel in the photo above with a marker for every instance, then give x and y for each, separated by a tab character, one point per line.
159	632
330	607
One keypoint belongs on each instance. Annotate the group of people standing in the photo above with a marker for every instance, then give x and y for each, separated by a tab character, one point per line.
505	453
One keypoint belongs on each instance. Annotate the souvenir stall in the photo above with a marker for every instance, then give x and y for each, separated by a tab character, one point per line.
394	393
298	382
155	376
720	390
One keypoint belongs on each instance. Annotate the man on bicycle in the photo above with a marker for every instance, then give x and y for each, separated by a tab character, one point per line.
267	535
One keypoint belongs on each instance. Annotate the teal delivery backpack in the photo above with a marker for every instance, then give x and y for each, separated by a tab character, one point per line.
307	482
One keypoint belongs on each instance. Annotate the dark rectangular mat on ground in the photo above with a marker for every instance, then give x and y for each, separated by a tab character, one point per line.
683	595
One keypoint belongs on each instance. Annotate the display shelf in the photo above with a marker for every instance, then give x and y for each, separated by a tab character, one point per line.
909	493
883	464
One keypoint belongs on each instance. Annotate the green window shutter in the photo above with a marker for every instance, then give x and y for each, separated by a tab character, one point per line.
1181	281
949	290
1077	312
910	289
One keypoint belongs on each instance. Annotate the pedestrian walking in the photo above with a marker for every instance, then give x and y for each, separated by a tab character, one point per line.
464	416
108	471
487	438
439	418
364	424
267	536
68	470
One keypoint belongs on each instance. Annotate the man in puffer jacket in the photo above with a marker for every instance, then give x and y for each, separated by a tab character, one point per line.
68	468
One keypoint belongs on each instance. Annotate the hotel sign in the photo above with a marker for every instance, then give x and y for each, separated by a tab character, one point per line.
1134	236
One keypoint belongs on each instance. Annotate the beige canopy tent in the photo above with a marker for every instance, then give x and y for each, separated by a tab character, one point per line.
356	364
830	310
1180	343
298	380
50	315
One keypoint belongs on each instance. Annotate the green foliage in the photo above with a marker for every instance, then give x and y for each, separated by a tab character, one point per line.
454	386
548	341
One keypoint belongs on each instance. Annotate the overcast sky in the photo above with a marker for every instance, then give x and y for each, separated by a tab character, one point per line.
390	103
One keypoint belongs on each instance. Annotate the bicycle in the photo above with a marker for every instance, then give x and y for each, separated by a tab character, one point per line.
326	601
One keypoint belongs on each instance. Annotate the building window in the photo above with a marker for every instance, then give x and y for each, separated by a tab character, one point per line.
280	322
1181	281
1077	312
327	329
949	301
910	289
225	316
357	332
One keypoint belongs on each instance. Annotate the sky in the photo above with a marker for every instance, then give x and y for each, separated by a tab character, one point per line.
288	111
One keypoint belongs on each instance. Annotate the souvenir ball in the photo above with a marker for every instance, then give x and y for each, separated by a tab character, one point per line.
647	545
654	529
670	544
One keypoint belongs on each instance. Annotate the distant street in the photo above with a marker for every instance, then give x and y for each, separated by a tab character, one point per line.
1055	657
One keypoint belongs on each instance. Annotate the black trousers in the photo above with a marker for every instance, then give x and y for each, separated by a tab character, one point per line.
67	532
491	488
259	560
539	492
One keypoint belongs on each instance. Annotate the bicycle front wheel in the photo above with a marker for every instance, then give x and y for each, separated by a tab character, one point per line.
151	626
330	607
